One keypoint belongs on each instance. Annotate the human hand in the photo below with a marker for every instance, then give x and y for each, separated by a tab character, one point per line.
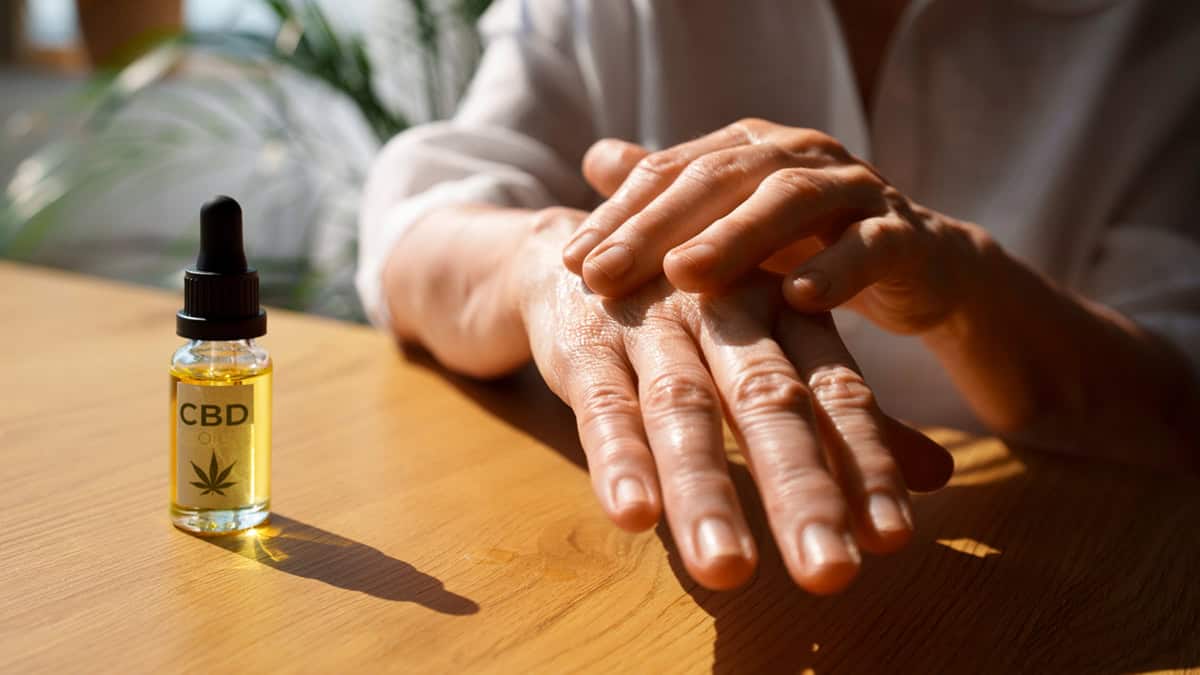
790	200
649	377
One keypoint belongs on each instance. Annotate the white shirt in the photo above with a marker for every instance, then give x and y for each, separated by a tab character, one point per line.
1070	129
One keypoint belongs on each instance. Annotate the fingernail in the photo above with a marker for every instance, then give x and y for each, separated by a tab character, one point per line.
852	548
629	494
823	546
886	515
715	539
811	284
582	244
700	258
613	261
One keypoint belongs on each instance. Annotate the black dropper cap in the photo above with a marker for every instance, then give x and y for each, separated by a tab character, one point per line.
220	294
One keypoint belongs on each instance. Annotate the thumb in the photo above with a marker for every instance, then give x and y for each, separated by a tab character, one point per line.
608	162
925	465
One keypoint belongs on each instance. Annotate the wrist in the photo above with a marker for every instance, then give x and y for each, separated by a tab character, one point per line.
977	261
455	288
530	273
984	342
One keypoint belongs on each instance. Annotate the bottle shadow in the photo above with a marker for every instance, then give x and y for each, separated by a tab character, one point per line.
1075	568
303	550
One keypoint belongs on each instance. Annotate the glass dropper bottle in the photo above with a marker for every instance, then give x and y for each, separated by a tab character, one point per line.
220	472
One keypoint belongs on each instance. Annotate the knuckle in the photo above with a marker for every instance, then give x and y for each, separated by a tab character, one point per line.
814	139
878	465
707	170
679	392
778	153
586	344
602	400
615	451
892	195
840	389
768	390
817	138
795	183
887	237
750	128
751	122
690	481
659	166
862	177
660	318
807	488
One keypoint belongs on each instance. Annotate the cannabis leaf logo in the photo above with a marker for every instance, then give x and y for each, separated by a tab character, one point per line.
213	481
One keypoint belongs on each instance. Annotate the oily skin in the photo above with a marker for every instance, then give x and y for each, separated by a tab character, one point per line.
1037	363
650	377
791	200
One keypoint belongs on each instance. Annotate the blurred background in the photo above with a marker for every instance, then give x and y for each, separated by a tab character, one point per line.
119	118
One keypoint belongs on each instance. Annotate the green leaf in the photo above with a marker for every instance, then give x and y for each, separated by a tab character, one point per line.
225	474
281	9
213	481
199	472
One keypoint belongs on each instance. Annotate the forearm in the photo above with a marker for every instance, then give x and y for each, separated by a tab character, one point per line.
1044	366
448	287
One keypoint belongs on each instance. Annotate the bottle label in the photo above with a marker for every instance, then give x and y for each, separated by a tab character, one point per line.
214	445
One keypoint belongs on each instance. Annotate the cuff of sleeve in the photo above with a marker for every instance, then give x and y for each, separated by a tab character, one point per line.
397	221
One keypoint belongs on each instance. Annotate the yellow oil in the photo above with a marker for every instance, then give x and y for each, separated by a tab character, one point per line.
257	508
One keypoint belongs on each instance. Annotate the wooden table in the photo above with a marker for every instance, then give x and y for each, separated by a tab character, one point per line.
428	523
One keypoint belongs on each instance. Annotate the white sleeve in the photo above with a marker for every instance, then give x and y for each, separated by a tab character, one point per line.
517	140
1147	265
1152	275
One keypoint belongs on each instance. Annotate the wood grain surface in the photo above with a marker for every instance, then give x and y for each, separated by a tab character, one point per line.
432	524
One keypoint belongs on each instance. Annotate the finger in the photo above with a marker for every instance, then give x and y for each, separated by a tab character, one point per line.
608	163
860	437
771	413
650	176
865	253
683	423
925	465
602	394
789	205
709	188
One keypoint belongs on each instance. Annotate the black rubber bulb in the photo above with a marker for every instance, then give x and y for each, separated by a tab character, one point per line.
220	294
221	248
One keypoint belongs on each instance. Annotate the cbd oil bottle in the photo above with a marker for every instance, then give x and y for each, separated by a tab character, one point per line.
220	426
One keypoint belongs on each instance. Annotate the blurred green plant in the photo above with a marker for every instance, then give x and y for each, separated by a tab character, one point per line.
242	104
